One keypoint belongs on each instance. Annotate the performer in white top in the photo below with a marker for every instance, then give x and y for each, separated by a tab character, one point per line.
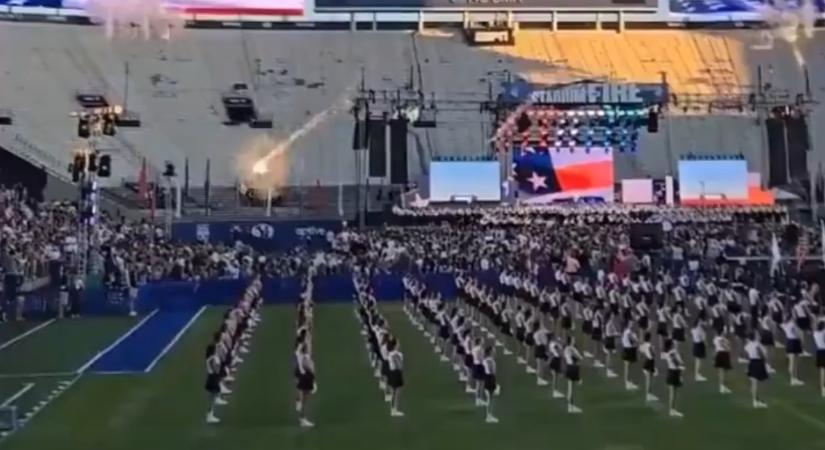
572	359
630	344
395	377
649	366
540	341
611	332
491	386
819	341
721	360
697	334
674	375
757	371
793	348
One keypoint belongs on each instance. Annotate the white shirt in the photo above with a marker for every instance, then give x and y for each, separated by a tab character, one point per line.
674	361
721	344
791	331
571	355
819	339
629	339
754	350
698	334
646	350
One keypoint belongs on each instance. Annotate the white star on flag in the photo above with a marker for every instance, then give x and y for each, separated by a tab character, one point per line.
538	181
529	150
419	202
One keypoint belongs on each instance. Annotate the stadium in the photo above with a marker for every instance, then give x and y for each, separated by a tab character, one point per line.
409	224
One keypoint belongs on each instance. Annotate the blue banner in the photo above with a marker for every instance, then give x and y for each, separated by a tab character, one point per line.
262	236
584	93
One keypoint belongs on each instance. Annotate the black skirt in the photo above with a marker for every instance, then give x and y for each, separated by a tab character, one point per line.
757	369
443	332
820	358
490	384
395	379
649	365
679	334
478	372
610	343
540	352
766	338
722	361
674	377
596	334
643	322
555	364
793	346
804	323
661	329
213	383
520	334
587	328
566	322
630	354
306	382
572	372
699	350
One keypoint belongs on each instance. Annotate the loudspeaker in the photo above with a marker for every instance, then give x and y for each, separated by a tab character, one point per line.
377	147
398	151
646	236
261	123
777	152
652	122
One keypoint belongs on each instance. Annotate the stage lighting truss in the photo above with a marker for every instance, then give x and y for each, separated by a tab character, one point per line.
605	126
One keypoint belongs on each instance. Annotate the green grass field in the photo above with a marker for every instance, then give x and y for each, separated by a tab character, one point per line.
165	410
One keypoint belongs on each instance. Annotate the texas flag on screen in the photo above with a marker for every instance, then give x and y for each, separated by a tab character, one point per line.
545	175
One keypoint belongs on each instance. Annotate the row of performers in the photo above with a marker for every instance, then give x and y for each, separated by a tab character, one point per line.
382	347
228	343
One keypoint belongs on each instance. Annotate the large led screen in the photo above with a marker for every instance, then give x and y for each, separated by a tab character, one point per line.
545	175
233	7
713	182
459	180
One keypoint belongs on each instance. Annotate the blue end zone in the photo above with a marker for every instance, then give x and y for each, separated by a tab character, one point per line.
146	344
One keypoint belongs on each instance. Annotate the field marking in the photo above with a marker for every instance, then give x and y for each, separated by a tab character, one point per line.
175	339
26	388
37	375
811	420
20	337
28	416
114	344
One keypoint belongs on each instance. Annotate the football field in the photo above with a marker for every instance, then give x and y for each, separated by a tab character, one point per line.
165	408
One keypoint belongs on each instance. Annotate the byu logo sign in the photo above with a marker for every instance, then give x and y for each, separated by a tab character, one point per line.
263	231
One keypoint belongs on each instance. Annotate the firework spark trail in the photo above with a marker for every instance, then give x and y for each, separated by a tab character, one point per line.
150	16
262	165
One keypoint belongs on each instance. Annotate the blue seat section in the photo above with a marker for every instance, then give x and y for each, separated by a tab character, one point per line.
730	6
145	344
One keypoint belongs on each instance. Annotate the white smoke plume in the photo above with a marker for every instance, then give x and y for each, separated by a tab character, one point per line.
135	18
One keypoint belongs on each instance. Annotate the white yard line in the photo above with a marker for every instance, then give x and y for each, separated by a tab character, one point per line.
175	339
26	388
20	337
114	344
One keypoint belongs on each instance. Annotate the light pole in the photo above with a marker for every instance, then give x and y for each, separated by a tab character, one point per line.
89	164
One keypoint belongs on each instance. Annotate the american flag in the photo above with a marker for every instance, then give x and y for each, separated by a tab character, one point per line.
802	248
